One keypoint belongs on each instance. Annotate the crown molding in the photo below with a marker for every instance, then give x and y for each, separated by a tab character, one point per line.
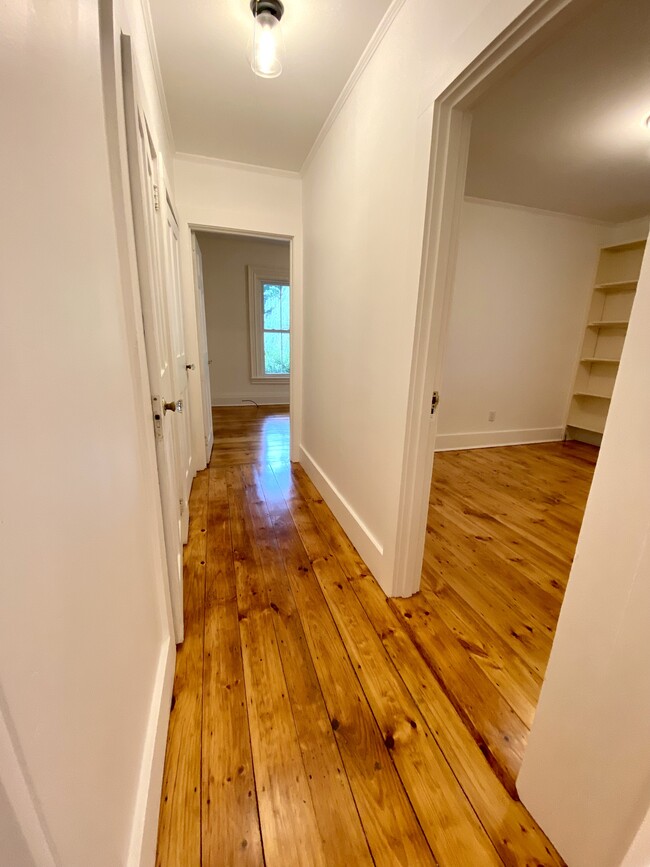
155	62
357	72
541	212
231	164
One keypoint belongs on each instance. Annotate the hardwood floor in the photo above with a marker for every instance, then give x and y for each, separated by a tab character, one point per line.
314	721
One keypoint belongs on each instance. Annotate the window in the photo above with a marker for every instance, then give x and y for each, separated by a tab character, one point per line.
269	296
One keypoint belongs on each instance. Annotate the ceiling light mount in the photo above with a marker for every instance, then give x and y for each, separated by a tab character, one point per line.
267	45
274	7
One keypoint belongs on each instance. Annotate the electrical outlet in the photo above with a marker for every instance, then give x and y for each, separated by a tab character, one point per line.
492	415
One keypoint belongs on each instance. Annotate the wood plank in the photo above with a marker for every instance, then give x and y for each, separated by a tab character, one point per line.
516	682
510	510
391	827
500	611
476	554
344	841
179	828
446	816
231	830
488	715
516	836
534	562
289	828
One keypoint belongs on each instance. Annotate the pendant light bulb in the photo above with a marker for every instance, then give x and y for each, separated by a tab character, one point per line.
267	46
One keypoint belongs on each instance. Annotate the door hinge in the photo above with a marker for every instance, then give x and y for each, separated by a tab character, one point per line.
156	198
435	400
181	503
158	414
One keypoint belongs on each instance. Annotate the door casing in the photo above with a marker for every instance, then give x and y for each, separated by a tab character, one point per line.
451	126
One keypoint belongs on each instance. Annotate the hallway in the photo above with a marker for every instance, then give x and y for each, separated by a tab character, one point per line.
309	725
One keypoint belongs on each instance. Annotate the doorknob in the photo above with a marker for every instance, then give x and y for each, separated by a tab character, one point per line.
173	407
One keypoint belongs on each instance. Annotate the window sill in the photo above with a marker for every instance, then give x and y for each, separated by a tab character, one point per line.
279	378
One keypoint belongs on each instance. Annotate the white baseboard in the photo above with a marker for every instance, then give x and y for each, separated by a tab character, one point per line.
144	834
489	439
263	399
370	549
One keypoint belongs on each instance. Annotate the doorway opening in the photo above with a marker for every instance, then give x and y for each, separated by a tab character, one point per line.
246	299
537	223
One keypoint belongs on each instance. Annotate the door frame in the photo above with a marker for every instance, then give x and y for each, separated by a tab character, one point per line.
134	111
198	287
184	469
451	126
296	336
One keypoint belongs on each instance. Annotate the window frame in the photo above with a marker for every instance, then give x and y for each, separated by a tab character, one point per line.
258	275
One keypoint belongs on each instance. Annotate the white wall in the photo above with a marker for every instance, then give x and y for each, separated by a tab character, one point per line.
364	197
84	619
225	280
217	194
523	281
586	772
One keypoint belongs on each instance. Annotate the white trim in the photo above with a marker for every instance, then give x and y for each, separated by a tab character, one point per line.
451	129
155	62
257	276
144	831
541	212
445	194
239	233
374	43
261	398
369	547
232	164
492	439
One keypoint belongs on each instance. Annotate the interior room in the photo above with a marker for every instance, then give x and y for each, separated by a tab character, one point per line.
246	292
231	266
552	234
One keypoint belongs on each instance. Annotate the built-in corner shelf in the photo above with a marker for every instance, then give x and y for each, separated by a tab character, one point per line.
605	330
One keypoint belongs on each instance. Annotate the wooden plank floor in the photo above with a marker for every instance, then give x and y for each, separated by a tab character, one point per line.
315	722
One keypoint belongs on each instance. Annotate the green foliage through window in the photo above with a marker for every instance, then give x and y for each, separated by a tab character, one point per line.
276	307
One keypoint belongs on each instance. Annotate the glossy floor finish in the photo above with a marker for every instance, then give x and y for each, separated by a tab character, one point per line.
314	721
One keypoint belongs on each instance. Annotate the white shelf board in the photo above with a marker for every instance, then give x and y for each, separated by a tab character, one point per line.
593	429
627	245
600	360
617	286
591	394
609	323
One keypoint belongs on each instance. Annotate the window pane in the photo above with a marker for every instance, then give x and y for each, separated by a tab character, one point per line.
285	351
285	309
276	306
276	353
272	306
